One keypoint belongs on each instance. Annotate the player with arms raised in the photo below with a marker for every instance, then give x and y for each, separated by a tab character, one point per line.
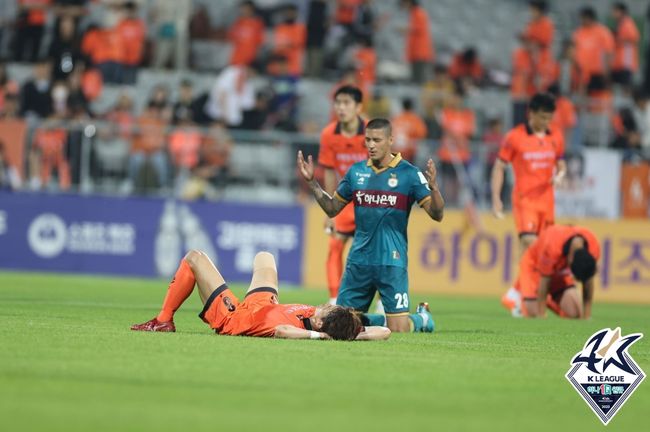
341	146
383	189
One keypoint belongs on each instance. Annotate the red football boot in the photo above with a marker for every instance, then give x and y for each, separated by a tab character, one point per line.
154	325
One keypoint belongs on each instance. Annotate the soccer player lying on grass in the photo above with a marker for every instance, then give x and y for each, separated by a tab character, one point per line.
259	314
547	271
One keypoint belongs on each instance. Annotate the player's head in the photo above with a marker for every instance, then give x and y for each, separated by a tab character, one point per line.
379	139
407	104
247	9
583	265
347	103
537	8
540	111
588	16
340	323
619	10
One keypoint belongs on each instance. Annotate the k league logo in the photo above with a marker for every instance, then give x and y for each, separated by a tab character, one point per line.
604	373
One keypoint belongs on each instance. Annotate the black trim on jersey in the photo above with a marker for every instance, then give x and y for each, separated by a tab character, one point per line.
360	131
523	233
529	130
530	298
262	289
216	293
346	233
567	245
306	323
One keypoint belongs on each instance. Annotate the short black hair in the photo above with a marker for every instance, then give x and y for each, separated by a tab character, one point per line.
583	265
589	13
342	323
620	6
540	5
542	102
350	90
380	123
407	104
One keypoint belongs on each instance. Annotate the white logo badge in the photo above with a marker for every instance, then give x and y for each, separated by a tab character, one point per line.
47	235
604	373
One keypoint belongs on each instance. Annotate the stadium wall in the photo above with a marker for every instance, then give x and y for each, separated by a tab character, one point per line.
455	258
144	237
147	237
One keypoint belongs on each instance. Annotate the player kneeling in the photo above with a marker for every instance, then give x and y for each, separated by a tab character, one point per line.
259	314
547	271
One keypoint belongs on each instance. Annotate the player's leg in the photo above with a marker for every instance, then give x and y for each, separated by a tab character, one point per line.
527	225
343	229
190	268
334	265
563	298
357	288
392	283
528	284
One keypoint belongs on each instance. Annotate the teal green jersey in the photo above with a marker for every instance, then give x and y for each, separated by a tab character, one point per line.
382	204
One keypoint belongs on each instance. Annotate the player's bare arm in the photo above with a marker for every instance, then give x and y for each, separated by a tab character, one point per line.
587	297
330	182
285	331
544	284
331	206
560	172
496	184
436	205
374	333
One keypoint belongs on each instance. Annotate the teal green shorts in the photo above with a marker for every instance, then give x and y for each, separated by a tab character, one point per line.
361	282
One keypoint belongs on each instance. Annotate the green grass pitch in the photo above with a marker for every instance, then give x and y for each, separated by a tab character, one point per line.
68	362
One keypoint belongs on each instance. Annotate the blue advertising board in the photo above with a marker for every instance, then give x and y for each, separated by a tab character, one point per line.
145	237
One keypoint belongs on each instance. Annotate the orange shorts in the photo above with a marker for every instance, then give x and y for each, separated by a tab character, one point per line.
344	221
227	315
531	219
528	280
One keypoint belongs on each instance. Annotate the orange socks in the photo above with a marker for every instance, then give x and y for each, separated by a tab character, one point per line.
179	290
335	265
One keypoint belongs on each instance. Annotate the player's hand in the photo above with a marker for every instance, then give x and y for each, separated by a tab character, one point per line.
431	174
306	167
558	179
329	225
325	336
497	208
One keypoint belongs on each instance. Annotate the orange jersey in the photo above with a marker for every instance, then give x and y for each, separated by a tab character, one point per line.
289	41
626	54
133	32
592	44
51	143
340	152
258	315
564	116
540	31
366	60
246	36
458	69
533	159
419	46
408	129
550	250
458	126
521	84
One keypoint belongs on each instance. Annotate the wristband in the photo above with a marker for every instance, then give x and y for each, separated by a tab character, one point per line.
314	334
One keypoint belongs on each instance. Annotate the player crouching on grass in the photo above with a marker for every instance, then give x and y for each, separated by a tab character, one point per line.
547	273
259	314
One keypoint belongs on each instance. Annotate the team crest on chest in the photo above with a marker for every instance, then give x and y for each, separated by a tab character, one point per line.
392	181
